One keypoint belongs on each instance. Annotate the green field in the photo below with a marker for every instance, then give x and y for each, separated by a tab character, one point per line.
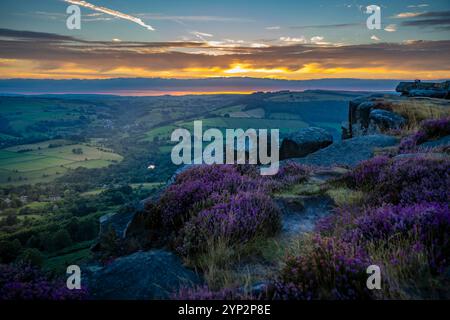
284	125
38	162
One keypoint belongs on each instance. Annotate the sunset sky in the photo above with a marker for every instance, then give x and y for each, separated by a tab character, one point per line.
199	39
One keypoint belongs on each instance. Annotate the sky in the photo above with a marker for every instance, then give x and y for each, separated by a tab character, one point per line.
200	39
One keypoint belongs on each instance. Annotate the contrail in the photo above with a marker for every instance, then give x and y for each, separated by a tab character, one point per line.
111	12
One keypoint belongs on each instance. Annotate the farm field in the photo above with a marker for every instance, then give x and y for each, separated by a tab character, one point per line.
40	162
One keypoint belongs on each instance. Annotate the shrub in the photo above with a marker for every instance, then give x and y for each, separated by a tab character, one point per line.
402	180
31	256
241	218
218	201
200	187
429	223
332	269
367	173
429	130
24	282
413	180
435	128
289	174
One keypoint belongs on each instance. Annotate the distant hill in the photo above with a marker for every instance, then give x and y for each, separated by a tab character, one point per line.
158	86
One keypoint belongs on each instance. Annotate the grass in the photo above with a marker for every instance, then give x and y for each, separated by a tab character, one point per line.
76	254
305	189
39	163
23	112
253	113
163	132
39	145
409	277
37	205
284	125
417	110
147	185
344	196
226	266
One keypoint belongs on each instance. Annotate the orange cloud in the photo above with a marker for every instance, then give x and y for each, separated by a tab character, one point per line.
61	57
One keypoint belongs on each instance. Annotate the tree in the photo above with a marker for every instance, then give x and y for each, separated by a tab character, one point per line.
9	250
61	239
33	242
11	220
77	151
32	256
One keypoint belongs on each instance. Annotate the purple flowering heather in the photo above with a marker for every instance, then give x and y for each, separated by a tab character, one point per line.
332	270
429	223
289	174
429	130
414	180
367	173
200	187
220	201
24	282
403	180
243	217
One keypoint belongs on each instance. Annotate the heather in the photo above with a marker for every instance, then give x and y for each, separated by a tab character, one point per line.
431	129
402	181
427	223
392	212
229	202
329	269
25	282
241	218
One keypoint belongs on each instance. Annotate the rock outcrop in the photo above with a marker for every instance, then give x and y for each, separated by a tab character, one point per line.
425	89
379	113
304	142
348	152
373	114
385	120
153	274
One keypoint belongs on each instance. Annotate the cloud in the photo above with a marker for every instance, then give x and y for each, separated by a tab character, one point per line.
293	40
375	38
30	35
202	35
328	26
273	28
408	15
390	28
319	40
59	56
436	19
153	16
316	39
111	12
423	5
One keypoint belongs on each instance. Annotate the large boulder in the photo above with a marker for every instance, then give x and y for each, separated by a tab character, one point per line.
383	120
348	152
304	142
369	114
437	93
147	275
424	89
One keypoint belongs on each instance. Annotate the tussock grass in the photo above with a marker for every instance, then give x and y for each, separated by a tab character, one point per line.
405	273
228	266
415	111
345	197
